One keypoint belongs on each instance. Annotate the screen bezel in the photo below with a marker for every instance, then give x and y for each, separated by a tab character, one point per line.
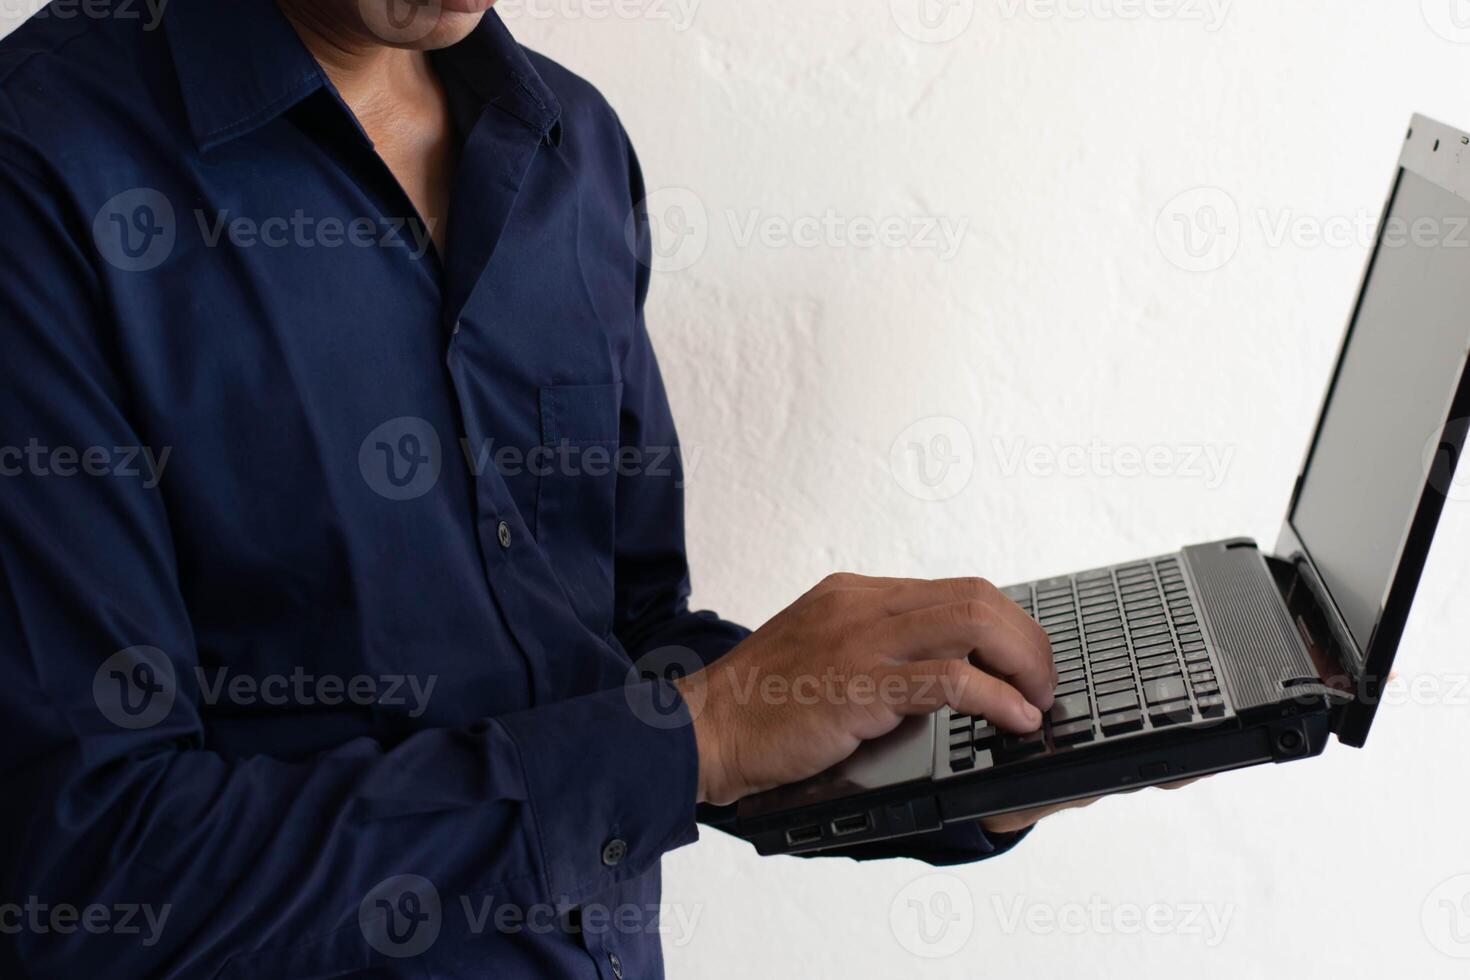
1441	155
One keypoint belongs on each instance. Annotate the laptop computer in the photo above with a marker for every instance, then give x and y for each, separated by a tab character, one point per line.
1221	655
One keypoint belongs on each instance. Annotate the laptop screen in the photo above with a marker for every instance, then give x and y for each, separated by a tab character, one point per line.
1395	385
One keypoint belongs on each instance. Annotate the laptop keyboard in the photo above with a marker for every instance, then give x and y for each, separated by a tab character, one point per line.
1131	657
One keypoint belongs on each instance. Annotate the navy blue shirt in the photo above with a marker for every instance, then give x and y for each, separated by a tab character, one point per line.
325	559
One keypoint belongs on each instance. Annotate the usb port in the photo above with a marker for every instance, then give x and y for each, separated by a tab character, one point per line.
854	824
803	835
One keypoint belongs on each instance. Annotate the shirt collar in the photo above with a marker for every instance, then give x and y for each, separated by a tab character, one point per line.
240	64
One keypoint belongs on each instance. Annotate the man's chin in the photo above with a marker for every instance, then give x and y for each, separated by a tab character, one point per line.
453	27
423	25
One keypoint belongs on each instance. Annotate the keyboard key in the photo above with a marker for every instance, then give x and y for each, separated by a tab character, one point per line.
985	734
1112	675
1123	721
1072	732
1108	659
1116	702
1173	713
960	759
1113	687
1070	708
1013	747
1212	706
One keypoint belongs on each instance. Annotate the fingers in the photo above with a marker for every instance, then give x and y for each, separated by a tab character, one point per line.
1181	783
910	594
901	595
851	580
970	629
931	684
1007	823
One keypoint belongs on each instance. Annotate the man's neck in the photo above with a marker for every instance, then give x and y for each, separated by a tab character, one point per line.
369	75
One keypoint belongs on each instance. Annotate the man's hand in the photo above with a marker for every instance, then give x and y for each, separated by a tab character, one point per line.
1010	823
847	662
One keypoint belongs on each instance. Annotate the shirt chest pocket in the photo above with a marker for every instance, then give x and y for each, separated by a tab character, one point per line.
576	499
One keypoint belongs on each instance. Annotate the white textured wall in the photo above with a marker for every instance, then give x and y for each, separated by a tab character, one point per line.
1058	143
1053	139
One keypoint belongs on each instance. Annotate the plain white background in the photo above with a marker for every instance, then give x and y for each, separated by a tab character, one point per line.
1014	288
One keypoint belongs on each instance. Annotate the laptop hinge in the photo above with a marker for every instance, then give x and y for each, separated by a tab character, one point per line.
1326	636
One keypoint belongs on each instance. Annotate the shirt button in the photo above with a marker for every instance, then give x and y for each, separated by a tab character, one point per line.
503	533
616	964
614	851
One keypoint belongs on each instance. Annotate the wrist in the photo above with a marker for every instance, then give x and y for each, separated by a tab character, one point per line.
704	712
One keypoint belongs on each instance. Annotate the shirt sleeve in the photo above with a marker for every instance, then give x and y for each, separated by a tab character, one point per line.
113	796
651	570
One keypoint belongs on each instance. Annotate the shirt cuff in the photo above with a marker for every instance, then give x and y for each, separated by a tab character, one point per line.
611	779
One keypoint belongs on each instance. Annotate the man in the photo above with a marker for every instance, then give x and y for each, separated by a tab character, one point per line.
341	495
